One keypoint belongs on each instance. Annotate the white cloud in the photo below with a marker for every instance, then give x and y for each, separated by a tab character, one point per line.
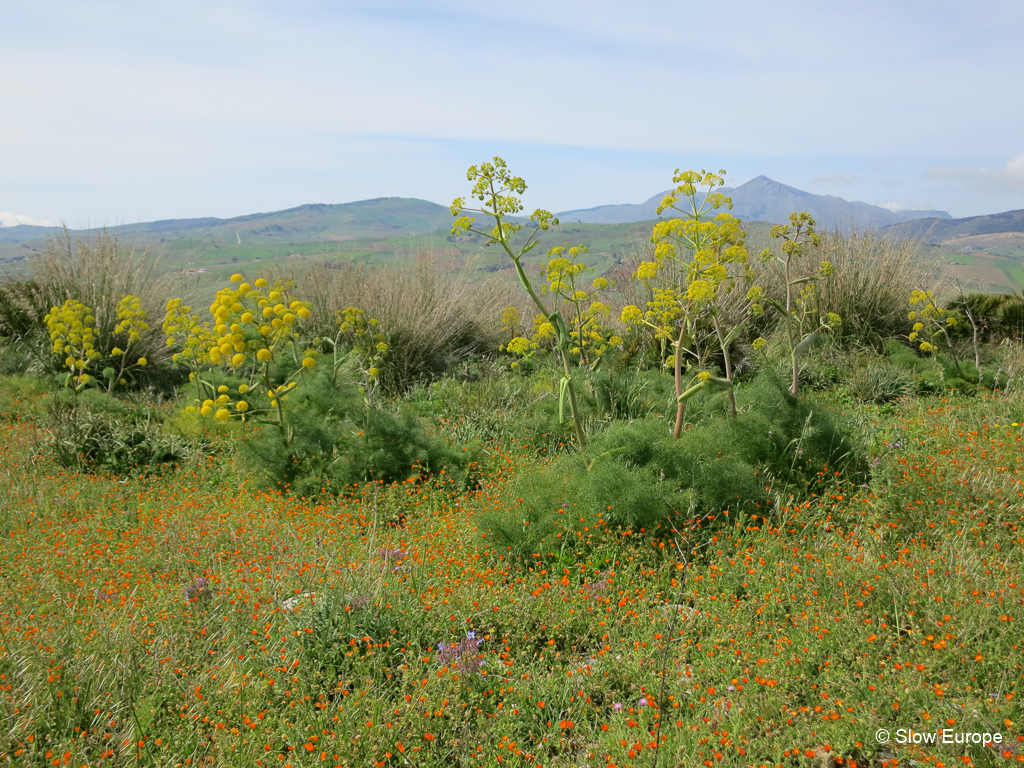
8	219
1009	178
893	206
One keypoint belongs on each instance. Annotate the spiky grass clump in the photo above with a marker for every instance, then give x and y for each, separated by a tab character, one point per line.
435	319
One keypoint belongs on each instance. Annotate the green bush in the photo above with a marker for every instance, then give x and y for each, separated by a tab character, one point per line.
337	443
938	373
643	481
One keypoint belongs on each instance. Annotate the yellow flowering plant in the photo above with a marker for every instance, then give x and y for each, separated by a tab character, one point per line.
930	321
192	338
802	317
253	328
498	191
369	346
511	321
581	306
132	322
698	257
72	329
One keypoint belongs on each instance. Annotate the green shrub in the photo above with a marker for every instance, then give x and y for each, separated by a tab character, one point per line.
939	373
337	442
643	481
619	393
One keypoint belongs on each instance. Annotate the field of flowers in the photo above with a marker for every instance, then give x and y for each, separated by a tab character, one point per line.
708	510
193	618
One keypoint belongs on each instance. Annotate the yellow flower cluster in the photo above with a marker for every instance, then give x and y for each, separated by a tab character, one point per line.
510	320
186	331
521	346
73	332
663	312
251	324
582	309
131	318
931	319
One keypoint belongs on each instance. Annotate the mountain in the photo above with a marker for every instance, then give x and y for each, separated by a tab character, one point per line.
938	230
382	217
763	199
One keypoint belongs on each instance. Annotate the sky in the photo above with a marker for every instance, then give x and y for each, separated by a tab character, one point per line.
120	112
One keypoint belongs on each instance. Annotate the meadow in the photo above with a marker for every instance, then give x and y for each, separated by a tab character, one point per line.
370	528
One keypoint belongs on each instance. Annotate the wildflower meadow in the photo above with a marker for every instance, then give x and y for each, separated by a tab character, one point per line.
727	506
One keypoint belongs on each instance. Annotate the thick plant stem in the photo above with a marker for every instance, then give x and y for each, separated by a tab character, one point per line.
728	367
573	408
680	404
795	383
562	341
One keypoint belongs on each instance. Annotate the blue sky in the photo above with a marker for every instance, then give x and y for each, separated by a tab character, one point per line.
116	112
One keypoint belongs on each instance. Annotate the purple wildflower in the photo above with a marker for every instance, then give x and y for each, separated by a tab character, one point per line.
198	589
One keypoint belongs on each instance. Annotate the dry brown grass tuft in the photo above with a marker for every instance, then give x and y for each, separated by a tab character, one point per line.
98	271
870	289
436	317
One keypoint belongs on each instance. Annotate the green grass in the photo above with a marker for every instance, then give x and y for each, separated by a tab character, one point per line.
1018	275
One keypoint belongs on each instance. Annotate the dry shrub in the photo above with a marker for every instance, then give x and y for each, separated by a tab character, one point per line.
98	271
870	289
436	317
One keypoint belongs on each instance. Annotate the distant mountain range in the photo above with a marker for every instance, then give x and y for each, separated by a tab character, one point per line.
760	199
382	217
763	199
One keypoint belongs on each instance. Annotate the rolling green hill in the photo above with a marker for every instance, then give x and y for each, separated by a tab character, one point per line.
382	217
984	252
934	230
